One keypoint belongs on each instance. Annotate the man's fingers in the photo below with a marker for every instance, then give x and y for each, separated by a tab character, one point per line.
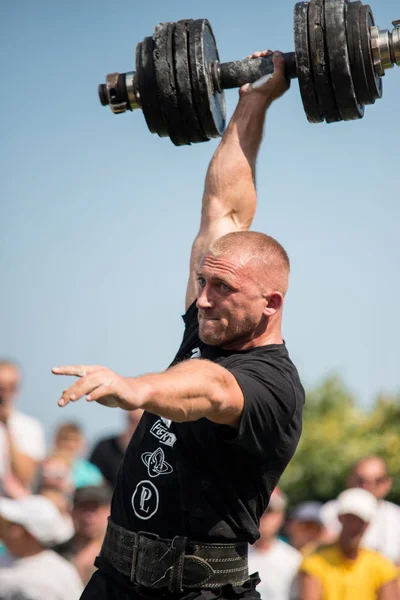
279	62
260	53
75	370
83	387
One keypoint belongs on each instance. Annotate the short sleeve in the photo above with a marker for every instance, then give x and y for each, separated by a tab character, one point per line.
270	402
28	436
313	565
386	571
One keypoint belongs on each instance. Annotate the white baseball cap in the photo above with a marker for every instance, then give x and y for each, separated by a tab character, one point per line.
40	517
358	502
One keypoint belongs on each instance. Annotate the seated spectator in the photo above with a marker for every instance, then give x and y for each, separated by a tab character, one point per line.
90	511
275	561
70	442
345	570
383	533
304	527
31	571
22	444
108	453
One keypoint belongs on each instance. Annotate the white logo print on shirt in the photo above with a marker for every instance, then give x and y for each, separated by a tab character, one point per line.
145	500
156	463
196	353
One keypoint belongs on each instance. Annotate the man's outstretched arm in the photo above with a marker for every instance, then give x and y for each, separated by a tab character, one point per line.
229	199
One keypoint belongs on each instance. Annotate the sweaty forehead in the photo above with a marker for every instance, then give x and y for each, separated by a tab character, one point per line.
220	265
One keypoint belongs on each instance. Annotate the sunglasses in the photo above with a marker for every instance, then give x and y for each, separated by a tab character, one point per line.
374	481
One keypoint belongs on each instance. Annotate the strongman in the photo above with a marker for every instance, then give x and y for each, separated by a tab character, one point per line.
223	421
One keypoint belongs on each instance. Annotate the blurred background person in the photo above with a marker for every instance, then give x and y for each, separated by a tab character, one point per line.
304	527
383	533
91	508
22	441
108	452
29	527
345	570
70	442
275	560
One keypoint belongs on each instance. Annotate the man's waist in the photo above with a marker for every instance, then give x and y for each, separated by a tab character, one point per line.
175	564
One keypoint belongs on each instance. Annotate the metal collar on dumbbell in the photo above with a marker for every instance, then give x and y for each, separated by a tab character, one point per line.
132	91
396	42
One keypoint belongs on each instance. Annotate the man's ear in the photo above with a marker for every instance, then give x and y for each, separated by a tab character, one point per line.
274	303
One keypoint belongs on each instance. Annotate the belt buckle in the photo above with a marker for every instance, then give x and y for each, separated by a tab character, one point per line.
135	552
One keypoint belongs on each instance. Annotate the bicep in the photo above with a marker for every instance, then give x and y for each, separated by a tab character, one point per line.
212	228
310	587
390	591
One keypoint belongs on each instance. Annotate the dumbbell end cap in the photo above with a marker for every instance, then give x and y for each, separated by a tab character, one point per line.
102	91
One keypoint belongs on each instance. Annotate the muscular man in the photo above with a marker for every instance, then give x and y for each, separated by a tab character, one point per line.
219	429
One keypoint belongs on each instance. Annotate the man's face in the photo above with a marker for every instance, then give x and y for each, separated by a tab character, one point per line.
9	384
353	528
371	475
70	442
230	303
90	518
271	522
13	536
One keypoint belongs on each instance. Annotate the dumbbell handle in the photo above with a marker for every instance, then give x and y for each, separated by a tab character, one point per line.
235	74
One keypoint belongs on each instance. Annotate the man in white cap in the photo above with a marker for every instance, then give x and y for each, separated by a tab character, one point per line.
28	528
383	534
345	570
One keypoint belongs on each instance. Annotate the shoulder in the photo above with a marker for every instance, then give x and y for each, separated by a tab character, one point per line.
323	554
393	510
289	554
379	561
29	435
105	443
20	420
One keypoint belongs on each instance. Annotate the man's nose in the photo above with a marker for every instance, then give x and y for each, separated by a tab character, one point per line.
204	300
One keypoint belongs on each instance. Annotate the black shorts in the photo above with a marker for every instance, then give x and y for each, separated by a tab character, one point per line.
104	587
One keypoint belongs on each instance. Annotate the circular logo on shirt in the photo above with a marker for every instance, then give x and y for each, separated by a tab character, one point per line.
145	500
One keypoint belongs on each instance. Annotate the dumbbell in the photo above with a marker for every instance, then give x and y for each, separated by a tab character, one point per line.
340	58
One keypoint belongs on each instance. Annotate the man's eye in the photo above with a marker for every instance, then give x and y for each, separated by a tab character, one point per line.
201	281
224	287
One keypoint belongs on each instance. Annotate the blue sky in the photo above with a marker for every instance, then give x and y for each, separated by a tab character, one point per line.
97	215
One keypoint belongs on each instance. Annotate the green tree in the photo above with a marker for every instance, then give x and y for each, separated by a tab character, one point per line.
336	433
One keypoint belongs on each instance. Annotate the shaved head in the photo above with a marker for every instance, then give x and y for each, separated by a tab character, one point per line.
251	246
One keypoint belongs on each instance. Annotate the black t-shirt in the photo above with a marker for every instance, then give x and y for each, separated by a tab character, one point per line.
210	482
107	455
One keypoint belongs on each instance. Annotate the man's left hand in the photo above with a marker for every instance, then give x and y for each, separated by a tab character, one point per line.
100	385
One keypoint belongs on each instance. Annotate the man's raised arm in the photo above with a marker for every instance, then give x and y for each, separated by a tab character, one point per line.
229	199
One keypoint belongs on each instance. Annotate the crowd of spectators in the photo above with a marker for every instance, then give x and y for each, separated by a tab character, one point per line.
54	505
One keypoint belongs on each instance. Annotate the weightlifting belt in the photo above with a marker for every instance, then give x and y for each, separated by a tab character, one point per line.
176	564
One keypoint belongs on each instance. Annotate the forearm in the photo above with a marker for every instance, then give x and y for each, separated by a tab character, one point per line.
191	390
230	181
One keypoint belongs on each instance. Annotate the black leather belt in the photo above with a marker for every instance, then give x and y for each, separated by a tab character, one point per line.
176	564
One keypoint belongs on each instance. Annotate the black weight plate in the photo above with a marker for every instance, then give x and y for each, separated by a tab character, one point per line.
166	84
374	80
210	103
319	60
147	85
356	57
303	63
186	103
339	64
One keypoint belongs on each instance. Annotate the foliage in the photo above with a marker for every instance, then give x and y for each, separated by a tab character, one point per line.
336	433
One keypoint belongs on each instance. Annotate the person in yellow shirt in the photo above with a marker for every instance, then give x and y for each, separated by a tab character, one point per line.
345	570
